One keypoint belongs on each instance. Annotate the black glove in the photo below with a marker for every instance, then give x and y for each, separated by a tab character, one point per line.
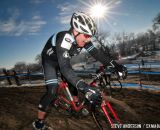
93	95
121	69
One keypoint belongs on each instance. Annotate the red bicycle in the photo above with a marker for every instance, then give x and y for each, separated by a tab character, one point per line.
111	111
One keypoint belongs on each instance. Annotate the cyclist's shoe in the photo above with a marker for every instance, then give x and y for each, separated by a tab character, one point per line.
39	125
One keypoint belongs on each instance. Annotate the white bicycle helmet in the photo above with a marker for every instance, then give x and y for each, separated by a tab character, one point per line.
83	23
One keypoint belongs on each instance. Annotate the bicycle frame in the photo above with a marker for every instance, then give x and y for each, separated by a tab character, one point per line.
64	86
106	112
105	105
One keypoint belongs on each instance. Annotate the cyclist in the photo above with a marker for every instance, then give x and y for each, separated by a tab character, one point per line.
56	57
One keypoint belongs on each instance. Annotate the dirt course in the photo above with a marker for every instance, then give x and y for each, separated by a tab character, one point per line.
18	108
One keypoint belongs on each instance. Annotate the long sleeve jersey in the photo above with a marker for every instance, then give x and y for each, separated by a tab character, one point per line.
61	47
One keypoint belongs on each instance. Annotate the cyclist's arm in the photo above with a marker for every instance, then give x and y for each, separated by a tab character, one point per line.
98	54
105	59
64	63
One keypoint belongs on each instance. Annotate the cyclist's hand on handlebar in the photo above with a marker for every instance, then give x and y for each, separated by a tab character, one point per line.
93	96
123	73
121	69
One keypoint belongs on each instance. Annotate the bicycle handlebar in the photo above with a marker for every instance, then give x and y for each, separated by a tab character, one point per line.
98	75
102	72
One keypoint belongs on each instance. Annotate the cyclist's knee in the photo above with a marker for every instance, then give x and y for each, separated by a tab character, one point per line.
49	96
51	86
52	89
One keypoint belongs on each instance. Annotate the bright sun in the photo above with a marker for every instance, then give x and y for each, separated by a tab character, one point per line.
102	11
98	11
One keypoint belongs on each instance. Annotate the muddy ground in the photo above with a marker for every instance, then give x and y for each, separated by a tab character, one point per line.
18	108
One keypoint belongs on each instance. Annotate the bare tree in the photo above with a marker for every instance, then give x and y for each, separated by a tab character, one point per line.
37	66
156	23
20	66
103	44
152	38
34	67
38	59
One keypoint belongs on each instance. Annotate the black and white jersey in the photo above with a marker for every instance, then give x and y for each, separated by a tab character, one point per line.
61	47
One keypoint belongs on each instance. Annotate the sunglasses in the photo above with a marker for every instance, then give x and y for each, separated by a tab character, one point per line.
87	36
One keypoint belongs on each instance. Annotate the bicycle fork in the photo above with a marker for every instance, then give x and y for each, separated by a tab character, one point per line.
107	104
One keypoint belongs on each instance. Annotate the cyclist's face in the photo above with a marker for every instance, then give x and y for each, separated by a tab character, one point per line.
83	39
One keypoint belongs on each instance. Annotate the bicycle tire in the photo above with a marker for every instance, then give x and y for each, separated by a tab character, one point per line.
112	84
115	85
100	121
126	114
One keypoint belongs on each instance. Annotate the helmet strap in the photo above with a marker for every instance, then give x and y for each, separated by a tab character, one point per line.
77	35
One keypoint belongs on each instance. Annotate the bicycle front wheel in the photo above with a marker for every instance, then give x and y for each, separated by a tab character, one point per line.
124	114
115	85
100	119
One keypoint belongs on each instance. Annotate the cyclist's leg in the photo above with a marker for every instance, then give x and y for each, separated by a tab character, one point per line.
51	81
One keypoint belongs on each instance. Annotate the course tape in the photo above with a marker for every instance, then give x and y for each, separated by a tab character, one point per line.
84	72
138	85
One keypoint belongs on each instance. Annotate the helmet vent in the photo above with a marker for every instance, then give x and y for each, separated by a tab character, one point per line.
84	30
76	24
83	23
81	20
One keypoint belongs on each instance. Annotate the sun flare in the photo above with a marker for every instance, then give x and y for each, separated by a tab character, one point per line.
98	10
102	11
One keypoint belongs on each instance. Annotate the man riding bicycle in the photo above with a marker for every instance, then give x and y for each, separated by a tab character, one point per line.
56	57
